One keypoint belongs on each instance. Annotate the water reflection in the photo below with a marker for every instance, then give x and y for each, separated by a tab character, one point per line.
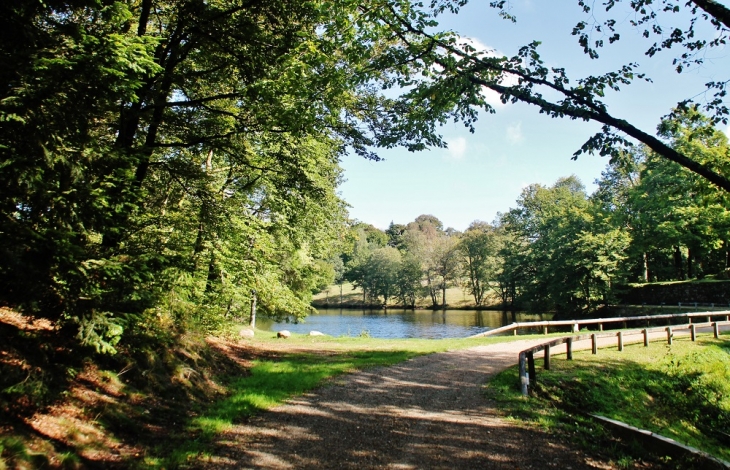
402	323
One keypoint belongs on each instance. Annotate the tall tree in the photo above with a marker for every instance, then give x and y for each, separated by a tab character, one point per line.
548	221
479	247
408	282
421	239
445	262
689	217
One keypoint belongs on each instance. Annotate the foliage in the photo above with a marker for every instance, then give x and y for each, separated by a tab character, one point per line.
457	68
549	222
174	156
479	247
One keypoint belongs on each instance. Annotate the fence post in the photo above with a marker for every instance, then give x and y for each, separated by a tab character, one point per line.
594	344
716	330
693	332
547	358
569	350
600	327
545	330
646	337
669	335
531	367
524	380
576	328
620	335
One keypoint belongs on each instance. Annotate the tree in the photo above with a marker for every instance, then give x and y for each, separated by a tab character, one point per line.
445	262
382	271
395	235
515	270
186	151
688	216
548	222
479	247
408	282
457	73
356	266
338	266
421	239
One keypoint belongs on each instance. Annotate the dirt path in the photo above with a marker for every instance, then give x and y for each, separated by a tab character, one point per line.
429	412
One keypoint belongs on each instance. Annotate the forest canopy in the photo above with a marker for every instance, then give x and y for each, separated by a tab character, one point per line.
163	159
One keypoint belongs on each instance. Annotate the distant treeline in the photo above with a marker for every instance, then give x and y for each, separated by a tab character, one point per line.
560	248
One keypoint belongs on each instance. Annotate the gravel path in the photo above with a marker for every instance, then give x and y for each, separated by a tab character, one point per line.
429	412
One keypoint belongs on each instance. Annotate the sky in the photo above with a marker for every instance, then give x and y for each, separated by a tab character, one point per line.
483	173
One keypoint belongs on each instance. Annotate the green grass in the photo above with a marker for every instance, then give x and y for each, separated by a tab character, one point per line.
15	454
680	391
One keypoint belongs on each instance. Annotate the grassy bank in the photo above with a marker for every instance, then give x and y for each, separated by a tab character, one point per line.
679	391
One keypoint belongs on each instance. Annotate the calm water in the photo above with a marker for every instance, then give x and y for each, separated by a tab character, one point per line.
401	323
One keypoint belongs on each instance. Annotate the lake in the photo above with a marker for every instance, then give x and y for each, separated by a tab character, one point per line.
401	323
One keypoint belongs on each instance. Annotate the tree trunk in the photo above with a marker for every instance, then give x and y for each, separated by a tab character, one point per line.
645	262
678	264
513	294
212	274
252	319
431	290
690	266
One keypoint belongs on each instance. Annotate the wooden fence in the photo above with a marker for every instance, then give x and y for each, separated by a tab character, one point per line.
527	357
576	324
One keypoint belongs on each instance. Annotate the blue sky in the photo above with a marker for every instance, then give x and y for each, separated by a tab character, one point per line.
483	173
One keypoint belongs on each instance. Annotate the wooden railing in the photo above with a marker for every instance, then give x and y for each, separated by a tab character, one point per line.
576	324
527	357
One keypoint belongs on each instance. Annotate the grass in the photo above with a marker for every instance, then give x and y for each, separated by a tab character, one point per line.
680	391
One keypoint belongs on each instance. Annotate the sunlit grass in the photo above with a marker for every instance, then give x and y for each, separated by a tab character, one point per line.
680	391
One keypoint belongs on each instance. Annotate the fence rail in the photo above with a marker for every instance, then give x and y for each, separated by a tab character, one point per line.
527	357
576	324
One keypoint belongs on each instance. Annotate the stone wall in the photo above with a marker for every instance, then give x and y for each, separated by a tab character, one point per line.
687	293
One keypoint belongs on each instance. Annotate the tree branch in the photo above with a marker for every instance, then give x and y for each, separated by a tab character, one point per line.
619	124
718	11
